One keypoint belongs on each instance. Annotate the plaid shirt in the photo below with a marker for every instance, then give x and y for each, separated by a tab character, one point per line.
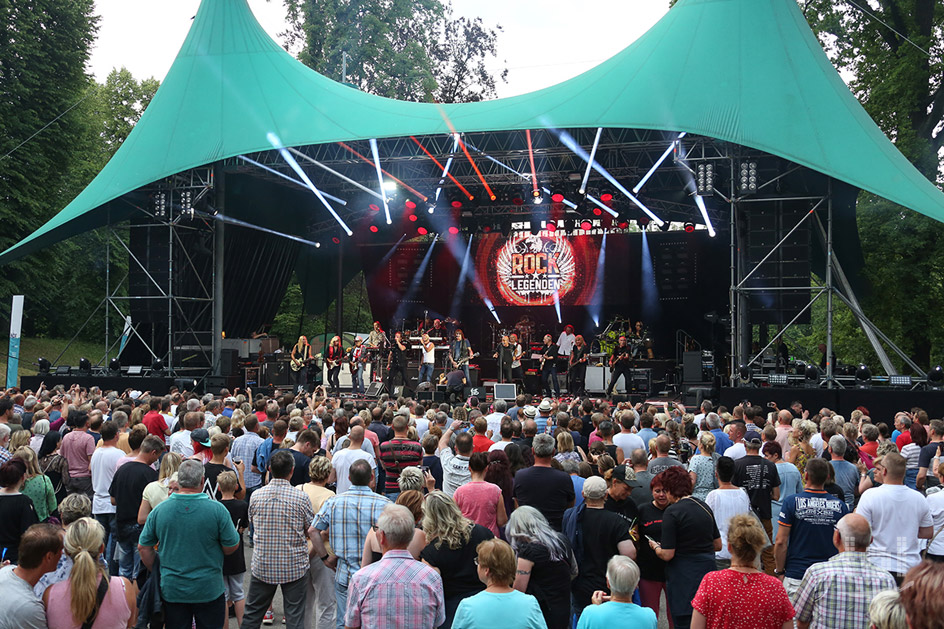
348	517
836	594
5	455
396	592
244	447
280	515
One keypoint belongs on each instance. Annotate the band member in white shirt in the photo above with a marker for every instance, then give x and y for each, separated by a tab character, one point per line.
428	348
358	357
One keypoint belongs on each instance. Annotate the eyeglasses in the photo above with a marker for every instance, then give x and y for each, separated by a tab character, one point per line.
476	561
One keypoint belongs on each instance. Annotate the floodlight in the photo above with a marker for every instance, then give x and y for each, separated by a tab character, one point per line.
778	379
44	366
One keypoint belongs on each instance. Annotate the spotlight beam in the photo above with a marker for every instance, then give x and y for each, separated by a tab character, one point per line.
277	143
455	147
700	202
602	205
593	152
380	179
369	161
312	160
286	177
658	163
234	221
455	135
568	141
445	168
534	174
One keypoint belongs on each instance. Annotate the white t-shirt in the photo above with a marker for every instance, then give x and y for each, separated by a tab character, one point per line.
21	607
726	503
422	427
698	419
565	343
628	442
181	443
498	445
494	423
895	513
817	442
736	451
103	465
342	461
430	355
936	504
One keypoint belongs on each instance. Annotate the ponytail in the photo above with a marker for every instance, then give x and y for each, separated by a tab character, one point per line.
83	538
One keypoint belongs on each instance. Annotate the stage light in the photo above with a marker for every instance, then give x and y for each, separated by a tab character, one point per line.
643	222
557	197
550	226
376	154
586	225
689	228
538	199
518	201
430	208
457	204
705	177
606	197
486	229
936	378
569	225
413	218
900	381
85	366
390	186
422	231
374	229
602	206
336	240
44	366
63	370
778	379
623	225
745	374
748	176
157	366
374	207
597	211
863	377
665	226
811	372
453	230
410	205
114	366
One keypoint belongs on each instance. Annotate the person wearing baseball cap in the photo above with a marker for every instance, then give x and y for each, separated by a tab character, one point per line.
762	481
622	482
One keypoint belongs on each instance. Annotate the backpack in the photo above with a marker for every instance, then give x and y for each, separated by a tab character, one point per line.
572	530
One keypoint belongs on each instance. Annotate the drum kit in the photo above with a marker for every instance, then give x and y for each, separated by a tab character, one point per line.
524	328
637	338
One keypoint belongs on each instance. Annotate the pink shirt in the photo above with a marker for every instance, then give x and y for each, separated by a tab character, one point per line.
478	501
113	614
78	447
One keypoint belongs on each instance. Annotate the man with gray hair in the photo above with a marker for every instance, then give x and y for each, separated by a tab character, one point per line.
838	592
617	610
494	419
548	490
398	590
5	454
847	475
194	534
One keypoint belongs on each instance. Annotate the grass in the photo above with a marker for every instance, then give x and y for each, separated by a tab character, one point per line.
32	348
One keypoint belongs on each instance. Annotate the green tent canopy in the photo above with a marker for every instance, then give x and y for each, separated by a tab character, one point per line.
748	72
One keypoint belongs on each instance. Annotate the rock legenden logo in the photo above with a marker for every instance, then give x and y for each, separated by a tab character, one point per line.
536	270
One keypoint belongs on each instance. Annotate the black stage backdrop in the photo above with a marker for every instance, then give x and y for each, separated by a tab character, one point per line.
670	280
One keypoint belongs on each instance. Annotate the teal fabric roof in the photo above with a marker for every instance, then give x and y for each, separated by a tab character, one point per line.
745	71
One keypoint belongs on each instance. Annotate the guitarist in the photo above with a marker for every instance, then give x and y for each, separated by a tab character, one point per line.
579	356
357	359
505	354
301	356
517	373
335	357
620	365
461	349
396	361
549	366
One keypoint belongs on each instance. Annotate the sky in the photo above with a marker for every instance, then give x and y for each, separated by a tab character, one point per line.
543	42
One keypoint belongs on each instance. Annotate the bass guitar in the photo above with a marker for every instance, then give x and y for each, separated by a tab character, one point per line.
462	361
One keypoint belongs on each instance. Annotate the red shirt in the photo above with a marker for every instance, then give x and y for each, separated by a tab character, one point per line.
481	443
727	602
155	424
903	440
870	448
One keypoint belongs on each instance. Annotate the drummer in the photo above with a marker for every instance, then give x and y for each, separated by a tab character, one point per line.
642	341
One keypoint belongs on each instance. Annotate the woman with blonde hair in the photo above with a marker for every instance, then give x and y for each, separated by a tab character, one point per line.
37	486
321	605
20	439
89	597
566	450
701	467
800	449
157	491
450	550
412	500
742	596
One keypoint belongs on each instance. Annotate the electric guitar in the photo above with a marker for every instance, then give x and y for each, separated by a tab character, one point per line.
462	361
297	364
583	358
614	359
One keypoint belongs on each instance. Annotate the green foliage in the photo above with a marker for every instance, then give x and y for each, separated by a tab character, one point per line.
291	320
404	49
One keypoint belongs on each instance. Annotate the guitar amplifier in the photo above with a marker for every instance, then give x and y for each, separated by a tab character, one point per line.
276	373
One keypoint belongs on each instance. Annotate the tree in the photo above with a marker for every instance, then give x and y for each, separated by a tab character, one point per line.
901	87
461	71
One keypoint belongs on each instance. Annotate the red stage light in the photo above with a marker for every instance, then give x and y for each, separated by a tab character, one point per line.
374	207
336	240
487	229
586	225
551	227
622	225
597	211
410	205
518	201
374	229
557	197
453	230
689	228
422	231
457	204
606	197
413	218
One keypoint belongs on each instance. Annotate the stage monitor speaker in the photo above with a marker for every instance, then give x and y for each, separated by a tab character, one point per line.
375	389
213	384
691	367
402	391
431	396
617	398
505	392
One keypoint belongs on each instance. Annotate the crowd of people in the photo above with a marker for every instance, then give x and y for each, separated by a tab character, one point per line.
125	509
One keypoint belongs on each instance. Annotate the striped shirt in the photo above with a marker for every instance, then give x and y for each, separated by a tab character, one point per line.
349	517
397	454
396	592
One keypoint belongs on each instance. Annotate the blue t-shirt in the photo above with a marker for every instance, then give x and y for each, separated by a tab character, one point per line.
811	516
647	435
578	489
722	441
847	477
511	610
612	614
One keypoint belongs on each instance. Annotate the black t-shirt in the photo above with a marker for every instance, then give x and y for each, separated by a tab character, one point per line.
235	563
651	568
758	476
16	515
457	566
602	532
300	473
548	490
454	379
689	527
211	472
618	353
626	508
396	354
926	456
549	583
551	352
127	487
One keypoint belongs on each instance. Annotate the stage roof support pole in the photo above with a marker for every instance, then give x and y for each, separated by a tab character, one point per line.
830	380
733	292
219	182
